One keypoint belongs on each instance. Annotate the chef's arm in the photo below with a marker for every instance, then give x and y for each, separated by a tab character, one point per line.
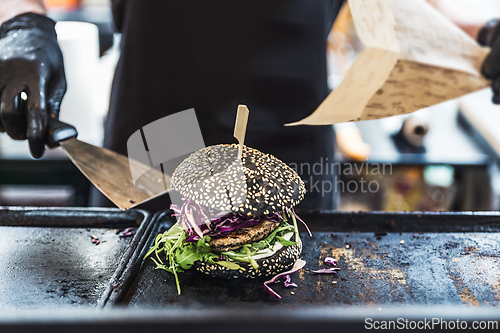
30	62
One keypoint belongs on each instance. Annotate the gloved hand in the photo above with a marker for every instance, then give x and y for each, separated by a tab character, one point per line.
489	35
30	61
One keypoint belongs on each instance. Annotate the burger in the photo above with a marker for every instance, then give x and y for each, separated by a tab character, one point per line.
236	219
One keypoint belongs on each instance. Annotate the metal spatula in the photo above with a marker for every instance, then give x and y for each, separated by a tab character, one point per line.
107	170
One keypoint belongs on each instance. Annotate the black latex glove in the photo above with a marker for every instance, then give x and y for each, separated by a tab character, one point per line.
489	35
30	61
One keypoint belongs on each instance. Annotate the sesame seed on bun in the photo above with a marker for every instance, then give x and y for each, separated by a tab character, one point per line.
257	184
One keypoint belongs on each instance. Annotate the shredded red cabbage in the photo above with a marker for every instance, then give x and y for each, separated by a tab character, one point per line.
200	221
288	282
305	225
331	261
299	264
331	270
127	232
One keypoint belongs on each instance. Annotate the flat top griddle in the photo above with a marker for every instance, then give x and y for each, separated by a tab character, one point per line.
48	258
410	259
447	262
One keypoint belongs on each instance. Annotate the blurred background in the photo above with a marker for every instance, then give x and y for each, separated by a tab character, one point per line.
443	158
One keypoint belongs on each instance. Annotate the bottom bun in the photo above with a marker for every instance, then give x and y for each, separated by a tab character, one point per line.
281	261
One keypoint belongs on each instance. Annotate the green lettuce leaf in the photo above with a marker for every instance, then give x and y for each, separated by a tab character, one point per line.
203	244
185	256
284	241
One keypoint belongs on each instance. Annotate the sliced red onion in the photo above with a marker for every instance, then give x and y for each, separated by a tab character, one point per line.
331	270
299	264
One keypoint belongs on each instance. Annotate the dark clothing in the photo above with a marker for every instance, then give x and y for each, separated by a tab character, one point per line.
214	55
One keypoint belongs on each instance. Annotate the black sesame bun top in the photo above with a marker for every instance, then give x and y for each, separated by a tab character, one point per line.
257	184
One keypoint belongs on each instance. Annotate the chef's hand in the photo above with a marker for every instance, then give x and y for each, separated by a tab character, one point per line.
31	62
489	35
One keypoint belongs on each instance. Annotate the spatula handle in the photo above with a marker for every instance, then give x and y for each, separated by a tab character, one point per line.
58	131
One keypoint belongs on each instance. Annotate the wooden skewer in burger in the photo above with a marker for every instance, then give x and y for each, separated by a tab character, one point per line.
237	218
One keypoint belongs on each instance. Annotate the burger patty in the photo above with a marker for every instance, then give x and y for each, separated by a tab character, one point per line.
239	237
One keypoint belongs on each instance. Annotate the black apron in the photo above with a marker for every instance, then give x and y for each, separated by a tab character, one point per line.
214	55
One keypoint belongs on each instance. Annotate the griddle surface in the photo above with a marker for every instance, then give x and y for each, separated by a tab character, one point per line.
45	265
428	268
